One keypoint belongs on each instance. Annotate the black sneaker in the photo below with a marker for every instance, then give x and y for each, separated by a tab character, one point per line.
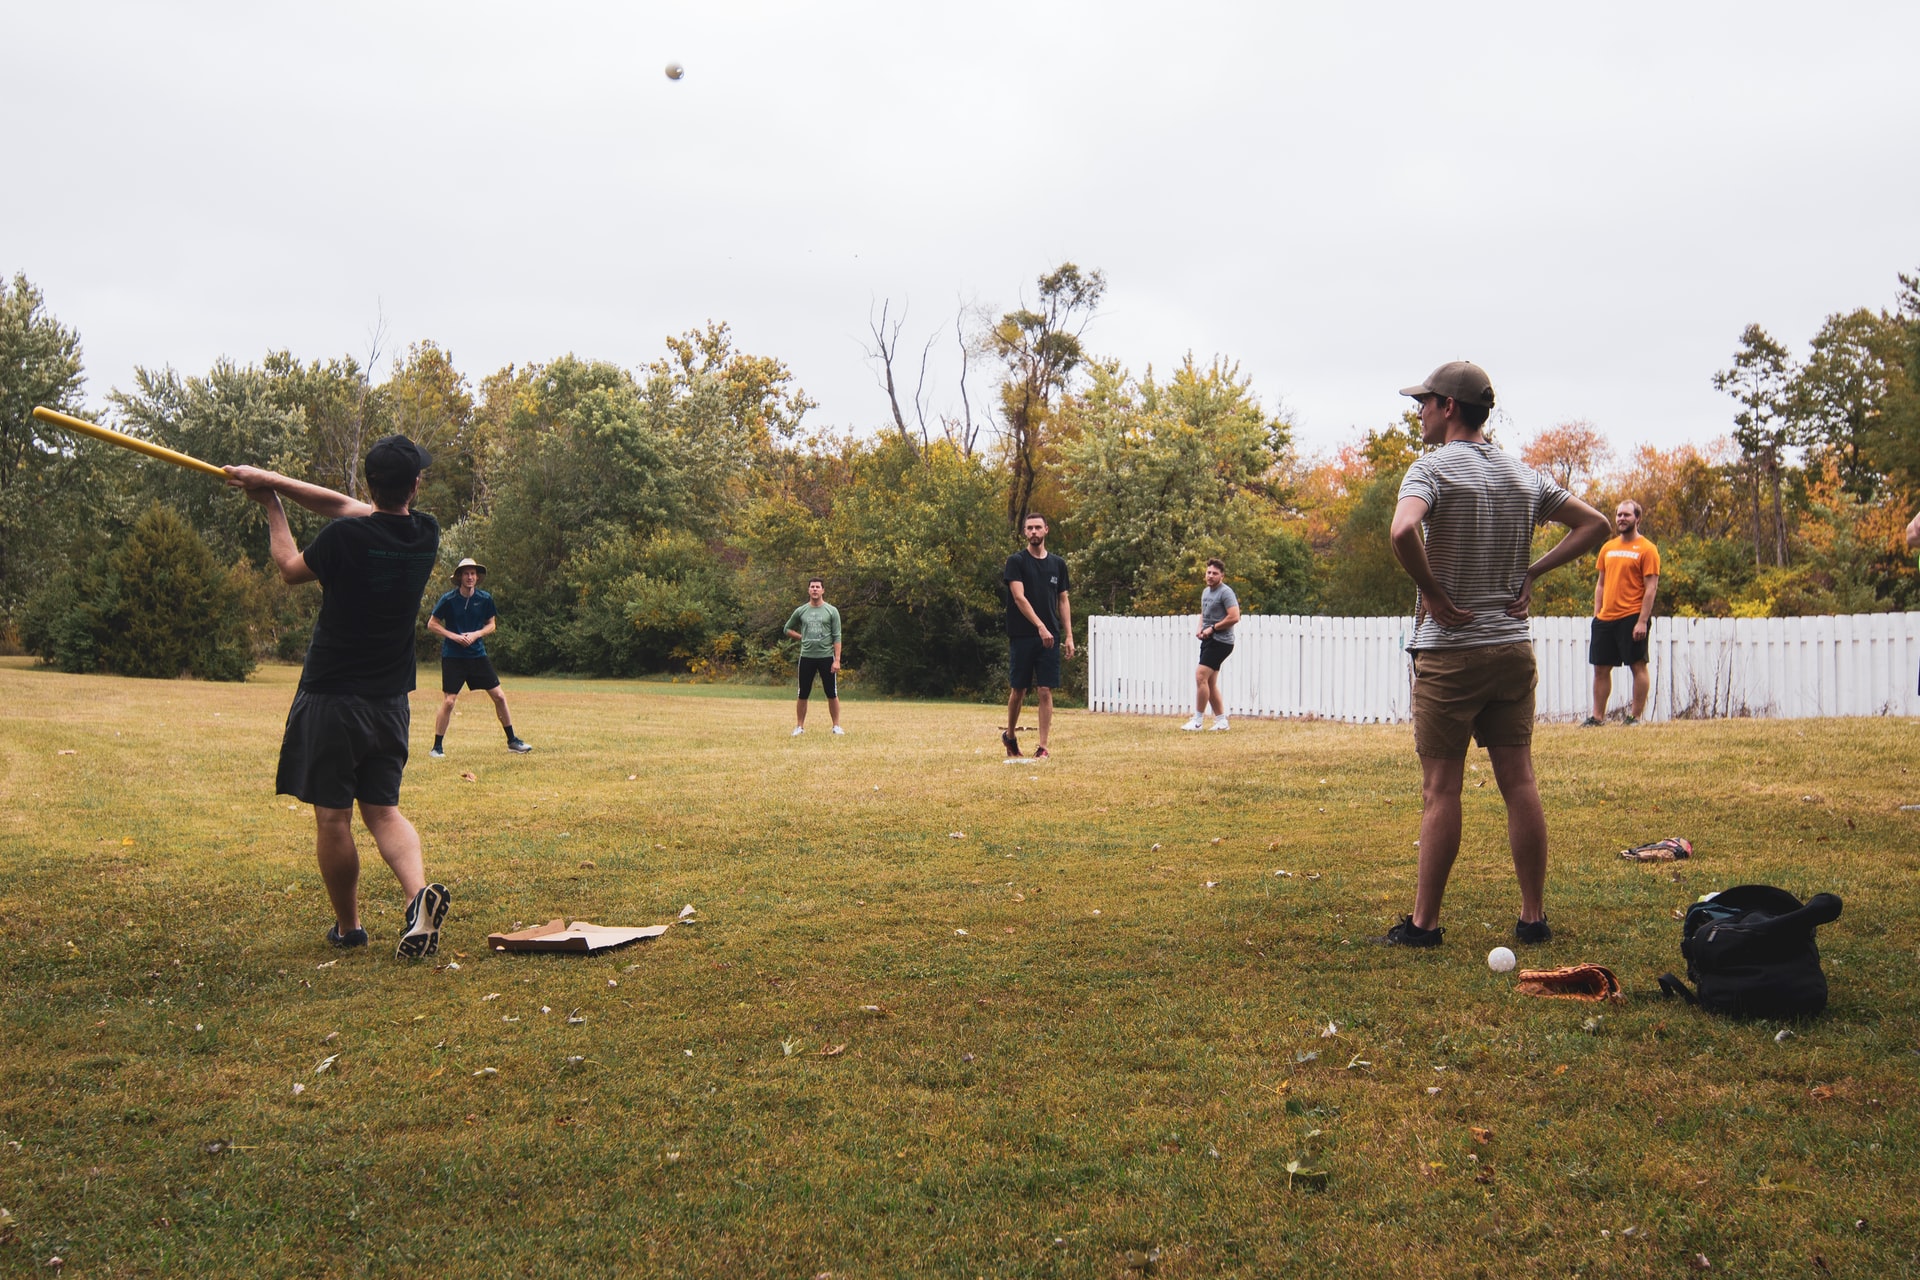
1592	722
518	747
421	937
1535	932
1409	934
1011	743
351	938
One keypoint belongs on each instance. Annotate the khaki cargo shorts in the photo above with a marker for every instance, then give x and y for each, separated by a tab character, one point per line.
1485	694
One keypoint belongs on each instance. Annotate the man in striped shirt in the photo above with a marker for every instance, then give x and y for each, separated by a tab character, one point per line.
1473	668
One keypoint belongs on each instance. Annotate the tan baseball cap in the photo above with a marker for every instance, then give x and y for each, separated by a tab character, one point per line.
1460	380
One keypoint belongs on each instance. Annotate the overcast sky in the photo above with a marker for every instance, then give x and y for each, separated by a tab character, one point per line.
1592	201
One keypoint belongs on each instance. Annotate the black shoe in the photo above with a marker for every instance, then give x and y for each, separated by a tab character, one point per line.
351	938
1592	722
1409	934
1535	932
421	937
1011	743
518	747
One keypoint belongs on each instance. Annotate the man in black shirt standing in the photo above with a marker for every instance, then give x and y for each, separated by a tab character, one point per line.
1039	630
346	737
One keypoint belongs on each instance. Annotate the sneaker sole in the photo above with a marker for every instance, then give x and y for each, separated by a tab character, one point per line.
417	943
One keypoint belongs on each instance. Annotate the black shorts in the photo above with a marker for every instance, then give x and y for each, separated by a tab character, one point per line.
1214	652
1031	664
1613	644
822	667
475	673
341	747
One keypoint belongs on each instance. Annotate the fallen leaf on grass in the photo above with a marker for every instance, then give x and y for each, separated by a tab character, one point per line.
470	776
1560	1070
328	965
1212	883
65	751
586	864
1299	1174
1785	1034
1356	1062
959	933
1313	875
1480	1135
491	995
1155	849
1310	1055
789	1047
833	1050
1432	1089
453	964
326	1063
1284	875
1700	1262
217	1147
686	911
873	1009
1329	1031
298	1088
487	1071
1216	840
1820	1092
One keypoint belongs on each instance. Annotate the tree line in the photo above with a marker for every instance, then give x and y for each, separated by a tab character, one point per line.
663	516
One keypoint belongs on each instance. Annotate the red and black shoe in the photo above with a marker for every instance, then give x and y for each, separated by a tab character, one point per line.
1011	743
1041	753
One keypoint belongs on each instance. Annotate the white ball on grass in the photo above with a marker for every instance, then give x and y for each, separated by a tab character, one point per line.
1501	960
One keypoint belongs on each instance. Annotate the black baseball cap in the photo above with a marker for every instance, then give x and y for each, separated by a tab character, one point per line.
395	460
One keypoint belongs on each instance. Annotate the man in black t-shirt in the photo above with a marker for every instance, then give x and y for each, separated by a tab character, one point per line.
346	736
1039	630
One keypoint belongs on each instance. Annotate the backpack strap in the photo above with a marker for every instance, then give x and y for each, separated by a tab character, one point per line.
1671	986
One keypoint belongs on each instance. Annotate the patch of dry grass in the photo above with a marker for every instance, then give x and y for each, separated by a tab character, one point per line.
1063	1051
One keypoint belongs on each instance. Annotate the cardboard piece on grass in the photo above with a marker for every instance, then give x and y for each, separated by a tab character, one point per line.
580	936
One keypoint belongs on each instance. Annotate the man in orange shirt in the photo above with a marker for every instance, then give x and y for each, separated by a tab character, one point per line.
1622	609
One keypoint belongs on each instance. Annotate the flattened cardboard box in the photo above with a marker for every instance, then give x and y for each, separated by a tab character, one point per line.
557	935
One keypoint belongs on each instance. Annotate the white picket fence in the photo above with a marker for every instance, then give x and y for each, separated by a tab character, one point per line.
1357	670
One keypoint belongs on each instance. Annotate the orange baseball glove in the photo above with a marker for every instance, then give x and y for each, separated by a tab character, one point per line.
1572	982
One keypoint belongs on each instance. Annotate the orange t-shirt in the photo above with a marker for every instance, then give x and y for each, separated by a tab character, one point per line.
1624	570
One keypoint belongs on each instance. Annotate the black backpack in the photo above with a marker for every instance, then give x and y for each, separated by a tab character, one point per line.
1750	953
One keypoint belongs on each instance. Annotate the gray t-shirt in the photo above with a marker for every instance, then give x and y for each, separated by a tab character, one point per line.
1214	603
1482	506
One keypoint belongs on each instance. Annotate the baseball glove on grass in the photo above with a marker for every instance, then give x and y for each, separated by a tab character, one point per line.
1668	850
1572	982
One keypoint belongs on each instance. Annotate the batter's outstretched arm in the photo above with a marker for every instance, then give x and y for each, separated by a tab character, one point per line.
315	498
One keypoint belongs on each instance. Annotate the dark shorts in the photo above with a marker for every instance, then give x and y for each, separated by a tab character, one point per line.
1484	694
822	667
1214	652
341	747
1031	664
1613	644
475	673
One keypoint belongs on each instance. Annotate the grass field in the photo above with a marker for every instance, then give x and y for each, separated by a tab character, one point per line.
938	1015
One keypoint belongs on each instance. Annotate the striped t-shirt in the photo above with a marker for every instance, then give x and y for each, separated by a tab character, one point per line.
1482	506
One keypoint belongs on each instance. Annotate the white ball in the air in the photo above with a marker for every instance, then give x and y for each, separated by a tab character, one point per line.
1501	959
675	71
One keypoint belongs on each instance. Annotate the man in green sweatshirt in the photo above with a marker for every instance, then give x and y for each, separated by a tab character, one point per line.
816	625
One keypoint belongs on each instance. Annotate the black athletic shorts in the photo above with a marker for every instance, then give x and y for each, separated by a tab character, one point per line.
475	673
822	667
341	747
1613	644
1214	652
1031	664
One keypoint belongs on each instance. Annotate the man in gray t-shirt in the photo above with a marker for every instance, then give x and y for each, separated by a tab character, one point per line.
1473	668
1219	610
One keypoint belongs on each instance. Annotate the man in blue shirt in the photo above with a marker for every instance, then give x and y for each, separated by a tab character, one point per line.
463	619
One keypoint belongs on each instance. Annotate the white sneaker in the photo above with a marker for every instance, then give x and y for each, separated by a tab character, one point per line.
798	730
1192	725
838	729
1220	724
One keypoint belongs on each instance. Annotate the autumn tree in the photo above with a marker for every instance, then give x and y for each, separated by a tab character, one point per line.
1574	453
1761	381
1039	350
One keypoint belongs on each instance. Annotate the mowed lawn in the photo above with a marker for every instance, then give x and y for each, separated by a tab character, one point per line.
936	1015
